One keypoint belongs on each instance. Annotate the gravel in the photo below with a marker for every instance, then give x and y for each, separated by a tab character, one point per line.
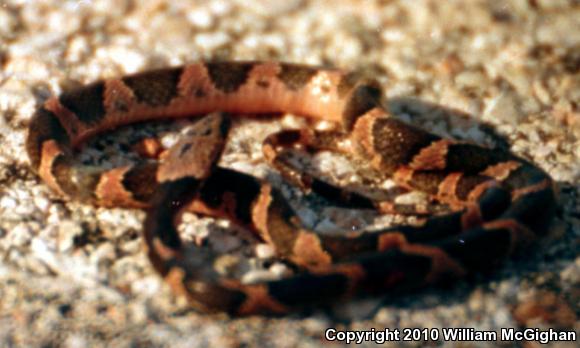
500	73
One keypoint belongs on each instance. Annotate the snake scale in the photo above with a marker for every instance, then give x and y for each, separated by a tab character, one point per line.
499	202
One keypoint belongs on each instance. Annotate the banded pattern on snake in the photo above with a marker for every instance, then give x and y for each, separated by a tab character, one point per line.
499	201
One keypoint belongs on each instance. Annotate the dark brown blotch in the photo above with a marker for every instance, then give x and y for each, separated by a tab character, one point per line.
155	88
397	143
141	181
394	269
479	248
44	126
435	228
472	159
308	288
341	197
534	209
286	137
228	77
493	202
523	176
427	181
363	98
296	76
341	247
167	200
467	183
87	103
245	188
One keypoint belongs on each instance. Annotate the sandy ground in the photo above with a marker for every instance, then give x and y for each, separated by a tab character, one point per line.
500	73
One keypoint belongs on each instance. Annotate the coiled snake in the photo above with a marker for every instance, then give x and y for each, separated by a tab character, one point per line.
499	202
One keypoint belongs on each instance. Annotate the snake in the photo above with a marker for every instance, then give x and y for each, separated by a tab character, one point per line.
498	202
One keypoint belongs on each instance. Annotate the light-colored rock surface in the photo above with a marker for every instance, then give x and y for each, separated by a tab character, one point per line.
72	275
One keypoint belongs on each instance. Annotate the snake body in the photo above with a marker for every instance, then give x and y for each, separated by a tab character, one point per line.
500	202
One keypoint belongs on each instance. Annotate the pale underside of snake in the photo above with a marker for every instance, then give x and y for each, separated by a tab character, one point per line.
498	201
